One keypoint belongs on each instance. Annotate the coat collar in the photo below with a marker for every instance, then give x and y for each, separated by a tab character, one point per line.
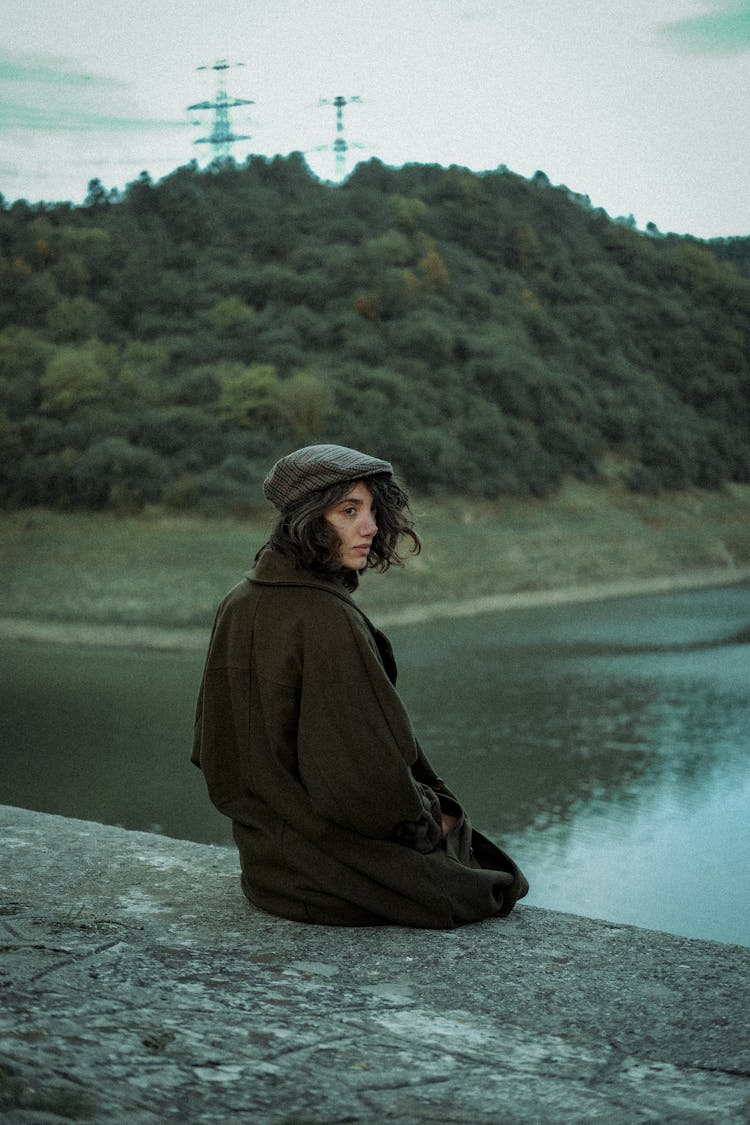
274	569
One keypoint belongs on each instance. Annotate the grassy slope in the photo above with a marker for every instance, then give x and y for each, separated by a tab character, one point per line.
156	570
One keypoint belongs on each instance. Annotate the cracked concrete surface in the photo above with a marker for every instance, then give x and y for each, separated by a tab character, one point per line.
138	986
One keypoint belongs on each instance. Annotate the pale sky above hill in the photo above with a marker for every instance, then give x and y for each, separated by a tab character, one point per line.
643	105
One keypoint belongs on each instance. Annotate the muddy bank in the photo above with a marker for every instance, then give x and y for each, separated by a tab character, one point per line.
84	633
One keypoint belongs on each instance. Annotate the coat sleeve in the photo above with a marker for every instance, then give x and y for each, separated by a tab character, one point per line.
355	741
220	747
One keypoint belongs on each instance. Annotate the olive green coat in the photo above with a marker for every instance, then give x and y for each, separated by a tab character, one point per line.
305	744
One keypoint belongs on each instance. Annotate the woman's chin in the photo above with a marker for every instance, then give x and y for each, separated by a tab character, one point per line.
356	562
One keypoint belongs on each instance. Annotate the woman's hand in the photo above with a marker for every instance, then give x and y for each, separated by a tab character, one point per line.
448	823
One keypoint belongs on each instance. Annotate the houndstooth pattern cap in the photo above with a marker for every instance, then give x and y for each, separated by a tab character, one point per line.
318	466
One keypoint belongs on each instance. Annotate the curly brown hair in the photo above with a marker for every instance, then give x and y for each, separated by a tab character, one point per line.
304	535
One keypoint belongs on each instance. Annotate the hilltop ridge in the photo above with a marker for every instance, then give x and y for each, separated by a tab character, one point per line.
491	335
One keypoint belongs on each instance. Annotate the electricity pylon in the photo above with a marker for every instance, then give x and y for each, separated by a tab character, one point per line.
340	146
221	138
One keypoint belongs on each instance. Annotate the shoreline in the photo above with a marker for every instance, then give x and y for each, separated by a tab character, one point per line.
89	634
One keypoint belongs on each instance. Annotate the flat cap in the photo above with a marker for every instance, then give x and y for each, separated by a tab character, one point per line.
318	466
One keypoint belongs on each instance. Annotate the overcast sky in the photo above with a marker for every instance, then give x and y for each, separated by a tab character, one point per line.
643	105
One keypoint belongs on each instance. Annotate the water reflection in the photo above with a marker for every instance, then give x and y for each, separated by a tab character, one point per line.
606	744
618	773
105	735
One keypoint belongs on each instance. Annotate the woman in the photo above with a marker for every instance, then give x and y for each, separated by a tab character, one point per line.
304	743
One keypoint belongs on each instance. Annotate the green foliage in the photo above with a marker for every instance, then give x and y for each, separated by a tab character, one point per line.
75	374
76	318
116	474
489	334
231	314
249	396
305	402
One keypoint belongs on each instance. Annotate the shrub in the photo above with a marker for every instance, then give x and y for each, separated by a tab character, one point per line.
114	473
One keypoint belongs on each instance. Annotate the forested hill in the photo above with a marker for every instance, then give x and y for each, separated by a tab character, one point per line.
487	333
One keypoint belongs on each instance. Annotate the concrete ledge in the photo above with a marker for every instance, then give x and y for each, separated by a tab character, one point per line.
139	987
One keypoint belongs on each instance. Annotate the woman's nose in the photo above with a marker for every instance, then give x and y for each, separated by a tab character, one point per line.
369	527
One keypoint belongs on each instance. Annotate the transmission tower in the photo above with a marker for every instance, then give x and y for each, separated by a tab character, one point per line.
221	138
340	146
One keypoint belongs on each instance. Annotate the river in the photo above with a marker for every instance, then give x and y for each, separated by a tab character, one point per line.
604	744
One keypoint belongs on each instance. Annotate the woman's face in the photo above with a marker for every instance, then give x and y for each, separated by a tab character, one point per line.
353	520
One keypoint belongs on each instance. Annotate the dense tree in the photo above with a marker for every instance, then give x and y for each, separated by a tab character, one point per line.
487	333
117	474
